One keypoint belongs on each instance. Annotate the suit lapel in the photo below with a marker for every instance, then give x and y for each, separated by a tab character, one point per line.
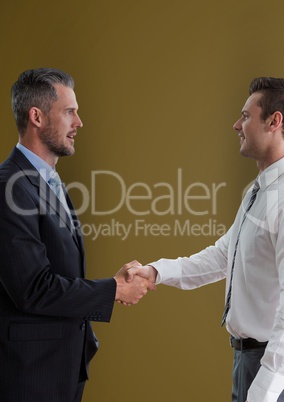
49	202
77	225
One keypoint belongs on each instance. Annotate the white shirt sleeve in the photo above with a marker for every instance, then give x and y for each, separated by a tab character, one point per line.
266	387
207	266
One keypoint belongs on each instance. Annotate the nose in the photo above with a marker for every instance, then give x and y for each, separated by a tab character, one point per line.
79	122
237	126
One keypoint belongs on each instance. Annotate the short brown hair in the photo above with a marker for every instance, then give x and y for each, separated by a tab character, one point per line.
272	90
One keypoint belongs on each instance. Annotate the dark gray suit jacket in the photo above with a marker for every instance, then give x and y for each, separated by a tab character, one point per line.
46	305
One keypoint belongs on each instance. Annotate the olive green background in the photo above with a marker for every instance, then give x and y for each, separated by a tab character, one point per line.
159	85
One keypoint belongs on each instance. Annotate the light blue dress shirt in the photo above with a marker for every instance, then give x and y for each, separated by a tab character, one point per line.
46	172
41	166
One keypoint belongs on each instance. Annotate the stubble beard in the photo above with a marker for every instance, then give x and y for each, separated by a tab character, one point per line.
51	139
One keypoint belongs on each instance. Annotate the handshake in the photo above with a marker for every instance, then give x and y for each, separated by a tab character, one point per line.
133	281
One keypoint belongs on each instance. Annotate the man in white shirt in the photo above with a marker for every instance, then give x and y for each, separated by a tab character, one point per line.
250	255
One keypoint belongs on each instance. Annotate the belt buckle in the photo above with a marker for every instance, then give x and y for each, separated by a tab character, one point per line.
236	343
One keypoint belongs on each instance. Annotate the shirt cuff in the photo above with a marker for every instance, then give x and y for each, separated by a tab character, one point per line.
266	387
169	272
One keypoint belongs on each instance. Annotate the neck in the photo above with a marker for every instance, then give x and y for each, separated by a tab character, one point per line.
262	165
39	151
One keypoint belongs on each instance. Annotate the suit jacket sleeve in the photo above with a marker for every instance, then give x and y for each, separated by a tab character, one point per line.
42	267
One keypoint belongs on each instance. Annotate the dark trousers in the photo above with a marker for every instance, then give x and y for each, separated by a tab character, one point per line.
246	366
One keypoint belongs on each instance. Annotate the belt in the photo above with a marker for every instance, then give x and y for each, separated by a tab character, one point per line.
247	343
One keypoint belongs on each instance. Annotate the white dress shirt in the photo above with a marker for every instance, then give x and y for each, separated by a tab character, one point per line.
257	303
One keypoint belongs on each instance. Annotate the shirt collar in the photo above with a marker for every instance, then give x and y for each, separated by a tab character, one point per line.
41	166
271	174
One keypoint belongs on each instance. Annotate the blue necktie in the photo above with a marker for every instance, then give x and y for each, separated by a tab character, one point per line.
56	185
228	300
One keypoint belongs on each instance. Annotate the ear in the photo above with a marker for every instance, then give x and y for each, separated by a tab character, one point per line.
276	121
36	116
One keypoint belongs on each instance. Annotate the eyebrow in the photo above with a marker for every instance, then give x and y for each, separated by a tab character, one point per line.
71	108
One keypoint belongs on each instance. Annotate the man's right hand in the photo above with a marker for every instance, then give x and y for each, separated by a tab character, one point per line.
147	272
131	288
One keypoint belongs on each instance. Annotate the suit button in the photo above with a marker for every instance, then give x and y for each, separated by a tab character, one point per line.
83	327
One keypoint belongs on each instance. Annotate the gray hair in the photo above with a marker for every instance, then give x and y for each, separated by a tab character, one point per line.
35	88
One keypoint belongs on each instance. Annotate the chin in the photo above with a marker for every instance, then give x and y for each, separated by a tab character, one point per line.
244	152
65	152
70	152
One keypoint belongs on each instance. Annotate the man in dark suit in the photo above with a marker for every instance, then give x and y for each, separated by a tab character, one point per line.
46	304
